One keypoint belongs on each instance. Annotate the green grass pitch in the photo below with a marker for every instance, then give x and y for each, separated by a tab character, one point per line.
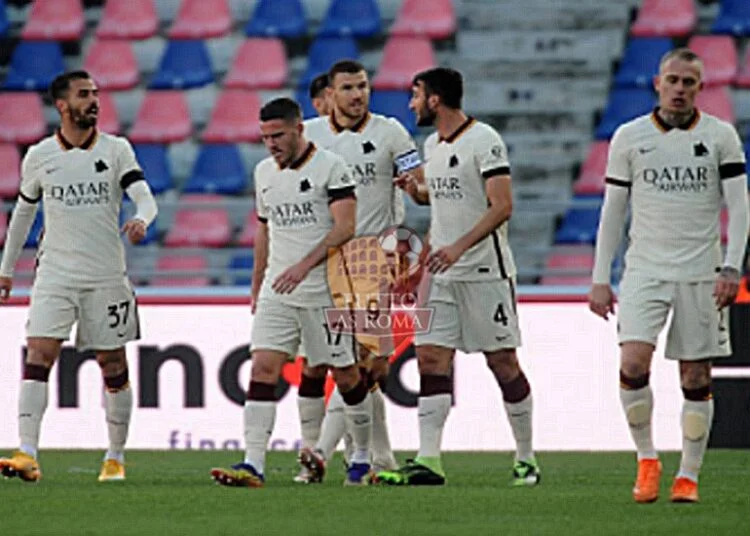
170	493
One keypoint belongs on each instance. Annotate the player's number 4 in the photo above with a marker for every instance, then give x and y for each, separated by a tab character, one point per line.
118	312
500	315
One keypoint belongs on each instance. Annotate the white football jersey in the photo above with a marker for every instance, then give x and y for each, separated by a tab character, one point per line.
82	190
674	176
455	170
374	149
294	201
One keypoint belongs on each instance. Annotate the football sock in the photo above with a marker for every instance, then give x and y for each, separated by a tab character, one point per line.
358	411
638	403
518	407
697	416
333	426
118	408
382	455
260	417
312	406
32	403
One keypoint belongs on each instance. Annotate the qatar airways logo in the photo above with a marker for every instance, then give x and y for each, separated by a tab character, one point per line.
80	193
293	214
677	178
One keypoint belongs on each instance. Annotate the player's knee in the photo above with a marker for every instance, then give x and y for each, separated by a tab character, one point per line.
695	375
504	365
112	363
433	362
694	425
318	372
347	378
266	368
42	353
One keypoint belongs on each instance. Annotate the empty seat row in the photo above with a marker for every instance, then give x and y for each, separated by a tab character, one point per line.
678	18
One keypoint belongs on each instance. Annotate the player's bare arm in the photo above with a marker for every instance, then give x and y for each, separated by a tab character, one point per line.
413	183
18	229
260	262
728	280
500	197
343	212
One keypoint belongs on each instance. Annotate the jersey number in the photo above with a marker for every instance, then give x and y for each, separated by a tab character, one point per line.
118	313
500	315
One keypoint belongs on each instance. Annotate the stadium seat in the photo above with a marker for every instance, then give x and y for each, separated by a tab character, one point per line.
184	65
3	226
435	19
578	261
719	55
724	225
324	52
357	18
201	19
591	177
624	104
235	118
181	263
258	64
4	24
247	236
54	20
35	234
717	101
277	18
241	262
218	169
112	64
641	61
579	225
33	66
747	160
24	273
403	57
743	77
394	104
734	18
109	118
302	96
162	118
128	19
10	170
667	18
153	159
21	118
200	227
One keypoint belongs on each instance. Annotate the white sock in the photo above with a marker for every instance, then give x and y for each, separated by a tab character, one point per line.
697	417
118	408
433	412
520	417
333	426
311	413
32	403
359	422
639	407
260	417
382	455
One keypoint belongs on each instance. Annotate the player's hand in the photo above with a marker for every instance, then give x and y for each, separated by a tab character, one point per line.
444	258
602	300
726	287
292	276
408	183
253	303
135	230
6	285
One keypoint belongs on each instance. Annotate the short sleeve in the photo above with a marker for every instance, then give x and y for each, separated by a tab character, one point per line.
31	184
731	154
491	155
128	168
405	154
340	183
260	206
618	161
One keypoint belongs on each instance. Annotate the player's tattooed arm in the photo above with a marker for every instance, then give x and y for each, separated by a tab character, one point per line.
413	183
260	261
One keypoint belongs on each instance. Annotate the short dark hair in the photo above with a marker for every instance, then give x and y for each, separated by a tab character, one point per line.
281	108
344	66
684	54
59	87
318	84
446	83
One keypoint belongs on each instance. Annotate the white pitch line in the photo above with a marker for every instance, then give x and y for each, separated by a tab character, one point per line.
731	372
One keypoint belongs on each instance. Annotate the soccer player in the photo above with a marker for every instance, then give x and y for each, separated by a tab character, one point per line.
675	166
319	94
472	293
372	145
80	174
306	206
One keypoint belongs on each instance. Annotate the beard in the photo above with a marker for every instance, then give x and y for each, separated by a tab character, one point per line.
425	117
84	121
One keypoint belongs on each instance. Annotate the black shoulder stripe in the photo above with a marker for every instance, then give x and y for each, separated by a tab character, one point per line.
734	169
130	177
494	172
334	194
617	182
261	219
28	199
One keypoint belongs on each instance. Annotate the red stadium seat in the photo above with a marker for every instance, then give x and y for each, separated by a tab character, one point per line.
24	271
719	55
717	101
200	227
247	237
163	117
10	167
112	64
435	19
54	20
234	118
573	259
109	119
403	57
743	78
201	19
665	18
128	19
724	225
181	263
3	226
591	177
258	64
21	118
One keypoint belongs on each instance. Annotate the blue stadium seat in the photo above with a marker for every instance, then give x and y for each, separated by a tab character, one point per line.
242	262
127	211
358	18
579	225
35	234
624	104
4	24
641	61
747	160
302	96
34	65
217	170
394	104
185	64
277	18
324	52
734	18
153	159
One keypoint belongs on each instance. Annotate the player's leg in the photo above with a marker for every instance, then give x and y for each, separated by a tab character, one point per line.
382	453
118	410
311	407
